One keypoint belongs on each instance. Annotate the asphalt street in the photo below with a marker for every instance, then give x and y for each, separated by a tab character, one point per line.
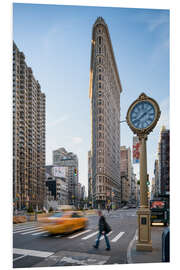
33	247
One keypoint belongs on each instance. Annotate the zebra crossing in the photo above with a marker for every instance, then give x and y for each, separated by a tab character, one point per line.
35	230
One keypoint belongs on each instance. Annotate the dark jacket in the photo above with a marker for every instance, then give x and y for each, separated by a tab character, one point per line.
102	224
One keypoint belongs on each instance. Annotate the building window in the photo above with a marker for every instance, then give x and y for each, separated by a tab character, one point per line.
99	85
99	102
100	40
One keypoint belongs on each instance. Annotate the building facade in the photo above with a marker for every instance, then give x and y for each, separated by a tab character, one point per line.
153	188
126	173
164	160
90	195
133	196
156	179
57	184
62	158
104	93
29	135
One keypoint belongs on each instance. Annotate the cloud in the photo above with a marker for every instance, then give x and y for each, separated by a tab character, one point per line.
59	121
154	23
77	140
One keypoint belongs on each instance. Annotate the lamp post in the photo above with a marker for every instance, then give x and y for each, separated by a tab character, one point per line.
142	117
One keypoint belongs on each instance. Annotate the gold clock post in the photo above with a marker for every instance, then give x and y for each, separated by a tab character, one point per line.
144	233
144	242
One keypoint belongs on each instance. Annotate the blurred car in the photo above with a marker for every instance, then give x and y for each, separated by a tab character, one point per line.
63	222
125	207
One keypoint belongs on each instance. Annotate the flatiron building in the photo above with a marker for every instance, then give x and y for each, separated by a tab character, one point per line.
104	93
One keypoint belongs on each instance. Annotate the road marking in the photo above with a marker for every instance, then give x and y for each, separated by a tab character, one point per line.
24	224
129	257
39	233
117	237
76	235
22	227
90	235
34	253
32	231
19	258
25	229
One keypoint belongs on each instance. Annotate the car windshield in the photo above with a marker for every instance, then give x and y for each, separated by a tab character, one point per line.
59	214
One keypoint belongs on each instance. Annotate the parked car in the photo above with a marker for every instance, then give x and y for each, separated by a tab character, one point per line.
63	222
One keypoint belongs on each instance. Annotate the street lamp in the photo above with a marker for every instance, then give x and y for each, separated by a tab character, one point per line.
142	117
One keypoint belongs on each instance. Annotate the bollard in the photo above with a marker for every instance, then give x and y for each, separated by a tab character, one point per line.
166	245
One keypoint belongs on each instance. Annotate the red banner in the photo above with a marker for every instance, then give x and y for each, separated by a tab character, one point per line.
136	153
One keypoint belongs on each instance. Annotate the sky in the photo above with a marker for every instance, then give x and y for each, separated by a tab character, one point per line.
56	41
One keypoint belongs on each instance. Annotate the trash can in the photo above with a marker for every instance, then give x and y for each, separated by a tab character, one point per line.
166	245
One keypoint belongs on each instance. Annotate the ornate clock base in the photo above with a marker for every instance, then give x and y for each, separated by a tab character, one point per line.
144	242
143	246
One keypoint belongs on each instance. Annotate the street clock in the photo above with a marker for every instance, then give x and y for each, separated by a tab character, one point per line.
142	115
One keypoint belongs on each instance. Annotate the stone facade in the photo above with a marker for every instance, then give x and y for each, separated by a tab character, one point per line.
105	89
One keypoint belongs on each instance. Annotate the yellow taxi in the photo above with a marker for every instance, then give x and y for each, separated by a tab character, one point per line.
63	222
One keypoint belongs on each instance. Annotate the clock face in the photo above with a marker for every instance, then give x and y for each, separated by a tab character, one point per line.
142	115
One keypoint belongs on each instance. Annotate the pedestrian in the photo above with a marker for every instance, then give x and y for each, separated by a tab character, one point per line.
108	208
104	229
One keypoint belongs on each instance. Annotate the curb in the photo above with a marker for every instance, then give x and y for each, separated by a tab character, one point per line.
129	258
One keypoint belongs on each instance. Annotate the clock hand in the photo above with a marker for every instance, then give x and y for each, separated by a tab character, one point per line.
142	115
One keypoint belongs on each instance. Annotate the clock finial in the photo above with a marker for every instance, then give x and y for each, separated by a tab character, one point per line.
142	96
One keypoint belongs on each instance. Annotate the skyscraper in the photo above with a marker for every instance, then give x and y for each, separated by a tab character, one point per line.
104	92
90	178
164	162
29	125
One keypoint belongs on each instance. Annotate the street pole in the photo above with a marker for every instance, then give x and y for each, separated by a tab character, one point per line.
144	233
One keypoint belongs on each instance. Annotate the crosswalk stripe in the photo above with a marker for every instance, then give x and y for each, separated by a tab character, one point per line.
36	253
76	235
32	231
25	230
90	235
39	233
24	224
117	237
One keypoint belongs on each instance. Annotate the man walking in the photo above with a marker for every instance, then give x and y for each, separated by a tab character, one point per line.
104	229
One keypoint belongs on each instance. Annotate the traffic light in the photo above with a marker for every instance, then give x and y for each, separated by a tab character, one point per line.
75	172
148	183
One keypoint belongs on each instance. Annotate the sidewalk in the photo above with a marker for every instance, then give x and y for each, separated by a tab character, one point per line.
154	256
